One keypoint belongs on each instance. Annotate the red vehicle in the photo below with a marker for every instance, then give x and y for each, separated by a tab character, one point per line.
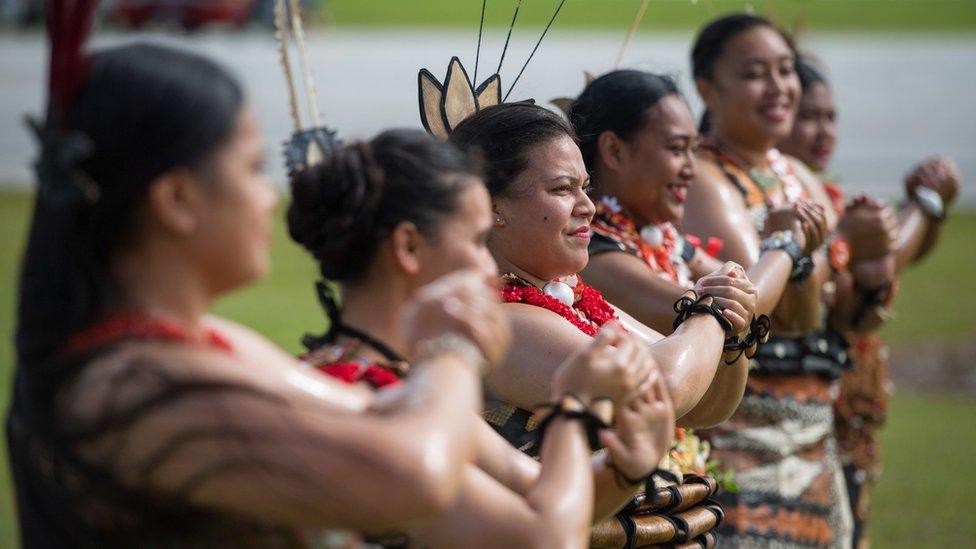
189	14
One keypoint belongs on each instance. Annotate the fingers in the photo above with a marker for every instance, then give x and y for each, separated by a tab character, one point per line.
608	335
814	219
735	313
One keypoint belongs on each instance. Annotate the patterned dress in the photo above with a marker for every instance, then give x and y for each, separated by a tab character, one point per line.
780	441
859	412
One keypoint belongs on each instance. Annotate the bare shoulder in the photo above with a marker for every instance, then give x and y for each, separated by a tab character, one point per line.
815	187
711	186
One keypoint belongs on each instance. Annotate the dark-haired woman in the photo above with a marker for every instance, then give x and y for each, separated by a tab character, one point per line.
861	407
638	139
538	182
138	420
383	219
779	441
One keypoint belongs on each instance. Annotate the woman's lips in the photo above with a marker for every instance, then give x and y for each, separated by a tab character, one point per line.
775	113
582	232
822	152
679	192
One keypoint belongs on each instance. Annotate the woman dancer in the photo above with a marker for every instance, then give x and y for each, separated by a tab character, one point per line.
139	420
385	218
638	140
780	440
862	404
537	180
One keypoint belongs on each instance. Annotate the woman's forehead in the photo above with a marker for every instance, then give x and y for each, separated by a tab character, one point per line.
556	157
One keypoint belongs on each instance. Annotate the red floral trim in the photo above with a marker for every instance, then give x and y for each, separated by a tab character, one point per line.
836	195
141	326
595	310
839	252
351	372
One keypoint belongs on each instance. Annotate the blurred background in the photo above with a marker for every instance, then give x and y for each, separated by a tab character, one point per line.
903	73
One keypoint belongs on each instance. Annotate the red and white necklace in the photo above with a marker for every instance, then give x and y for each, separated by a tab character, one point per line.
570	298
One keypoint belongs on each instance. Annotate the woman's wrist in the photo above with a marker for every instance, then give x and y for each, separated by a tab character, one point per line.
451	344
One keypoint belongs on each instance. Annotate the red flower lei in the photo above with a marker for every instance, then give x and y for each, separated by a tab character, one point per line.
375	374
334	360
611	223
141	326
594	309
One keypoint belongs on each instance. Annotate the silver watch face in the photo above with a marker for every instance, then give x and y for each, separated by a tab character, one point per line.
930	201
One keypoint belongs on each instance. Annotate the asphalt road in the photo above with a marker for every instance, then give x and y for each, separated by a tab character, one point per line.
900	98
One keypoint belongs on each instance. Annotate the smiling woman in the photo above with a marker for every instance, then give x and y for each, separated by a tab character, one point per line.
780	441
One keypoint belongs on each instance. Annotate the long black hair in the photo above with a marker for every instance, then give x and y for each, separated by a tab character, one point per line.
140	111
500	136
617	102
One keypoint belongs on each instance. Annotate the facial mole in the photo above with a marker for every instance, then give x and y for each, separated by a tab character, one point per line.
545	218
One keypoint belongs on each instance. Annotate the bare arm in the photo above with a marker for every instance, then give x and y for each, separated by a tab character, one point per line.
916	236
689	358
723	395
518	472
264	442
555	512
627	282
543	340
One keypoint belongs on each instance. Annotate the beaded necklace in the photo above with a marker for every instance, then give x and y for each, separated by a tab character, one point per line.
588	312
142	326
663	256
763	184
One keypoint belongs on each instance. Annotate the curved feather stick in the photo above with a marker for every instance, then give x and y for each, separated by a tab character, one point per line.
281	32
310	142
630	34
299	36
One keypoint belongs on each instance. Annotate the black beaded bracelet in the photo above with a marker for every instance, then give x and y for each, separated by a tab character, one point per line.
749	345
690	304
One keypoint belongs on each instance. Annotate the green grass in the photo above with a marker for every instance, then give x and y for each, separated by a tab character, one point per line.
925	495
928	448
821	15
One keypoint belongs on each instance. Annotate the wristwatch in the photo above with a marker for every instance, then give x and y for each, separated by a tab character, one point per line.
784	240
930	202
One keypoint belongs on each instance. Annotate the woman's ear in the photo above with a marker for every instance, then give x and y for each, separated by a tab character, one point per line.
406	241
609	146
706	90
175	202
498	217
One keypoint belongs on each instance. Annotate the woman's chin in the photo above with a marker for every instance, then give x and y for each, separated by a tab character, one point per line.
672	213
576	264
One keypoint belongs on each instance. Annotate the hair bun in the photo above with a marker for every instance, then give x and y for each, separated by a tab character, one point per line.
334	205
